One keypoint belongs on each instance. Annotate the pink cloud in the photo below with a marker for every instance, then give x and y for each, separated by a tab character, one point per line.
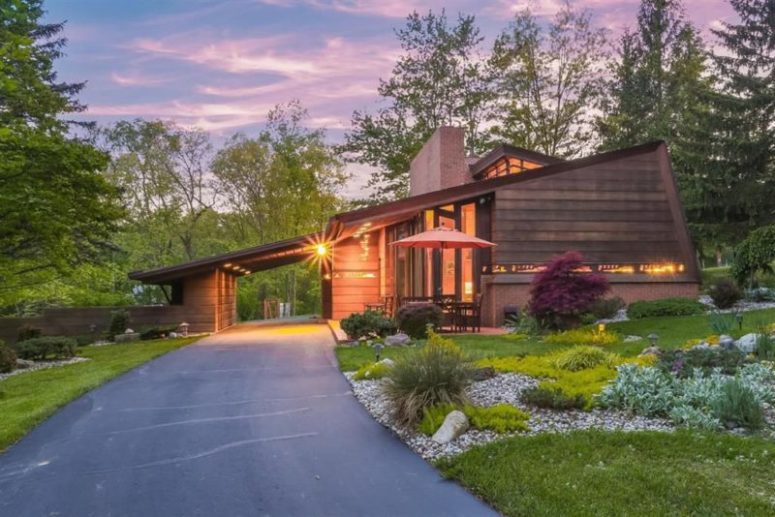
382	8
136	79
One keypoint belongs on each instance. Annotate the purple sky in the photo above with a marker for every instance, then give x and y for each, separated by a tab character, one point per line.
222	64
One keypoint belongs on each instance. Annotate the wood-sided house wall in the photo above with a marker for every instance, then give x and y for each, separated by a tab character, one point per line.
619	214
357	275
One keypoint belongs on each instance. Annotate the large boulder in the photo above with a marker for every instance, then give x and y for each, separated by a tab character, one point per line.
399	339
727	342
387	362
455	424
747	343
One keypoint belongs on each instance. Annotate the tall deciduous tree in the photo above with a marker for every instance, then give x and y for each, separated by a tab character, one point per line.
547	82
56	209
440	79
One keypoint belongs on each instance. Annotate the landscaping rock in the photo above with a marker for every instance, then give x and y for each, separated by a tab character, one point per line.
24	363
399	339
455	424
652	350
482	374
701	346
747	343
387	362
630	339
727	342
126	338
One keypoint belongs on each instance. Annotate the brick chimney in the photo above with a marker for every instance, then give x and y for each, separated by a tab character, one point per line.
441	163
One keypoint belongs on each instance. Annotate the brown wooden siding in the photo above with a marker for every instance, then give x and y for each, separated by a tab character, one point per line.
355	275
619	211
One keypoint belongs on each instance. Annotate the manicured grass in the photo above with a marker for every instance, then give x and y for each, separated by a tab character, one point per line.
674	331
599	473
29	398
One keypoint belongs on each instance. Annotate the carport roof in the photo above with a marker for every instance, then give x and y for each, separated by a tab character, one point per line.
258	258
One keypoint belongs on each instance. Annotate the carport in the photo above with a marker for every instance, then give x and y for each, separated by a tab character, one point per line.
204	292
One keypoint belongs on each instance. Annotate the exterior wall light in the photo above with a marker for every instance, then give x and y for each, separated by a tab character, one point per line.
321	250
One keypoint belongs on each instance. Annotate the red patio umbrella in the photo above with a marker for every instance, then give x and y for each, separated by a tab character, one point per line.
443	238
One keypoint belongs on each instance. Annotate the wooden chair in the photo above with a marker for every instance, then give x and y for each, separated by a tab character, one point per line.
470	316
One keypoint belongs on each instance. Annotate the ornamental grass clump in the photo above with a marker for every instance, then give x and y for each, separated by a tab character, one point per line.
438	373
584	337
583	357
500	418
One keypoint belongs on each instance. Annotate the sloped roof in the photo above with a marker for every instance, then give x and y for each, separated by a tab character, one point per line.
507	150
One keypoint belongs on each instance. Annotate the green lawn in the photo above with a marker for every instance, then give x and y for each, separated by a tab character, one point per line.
598	473
673	331
29	398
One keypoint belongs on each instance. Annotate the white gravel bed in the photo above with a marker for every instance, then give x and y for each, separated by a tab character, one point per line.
505	388
741	306
43	365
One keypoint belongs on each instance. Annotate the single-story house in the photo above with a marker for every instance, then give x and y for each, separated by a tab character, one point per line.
620	209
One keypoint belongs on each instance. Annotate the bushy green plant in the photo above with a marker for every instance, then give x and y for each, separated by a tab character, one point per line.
724	292
583	357
27	331
7	358
438	373
119	322
721	323
606	308
414	319
551	397
501	418
372	371
584	336
754	254
367	323
644	391
84	339
683	362
765	346
664	307
40	348
738	406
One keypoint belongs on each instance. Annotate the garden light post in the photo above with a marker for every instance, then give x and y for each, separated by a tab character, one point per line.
653	338
739	320
378	349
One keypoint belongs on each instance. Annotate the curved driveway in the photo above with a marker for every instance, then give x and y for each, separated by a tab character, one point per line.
252	421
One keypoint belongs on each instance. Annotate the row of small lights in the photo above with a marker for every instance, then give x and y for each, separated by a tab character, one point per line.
237	268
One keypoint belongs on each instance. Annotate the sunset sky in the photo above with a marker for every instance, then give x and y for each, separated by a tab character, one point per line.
222	64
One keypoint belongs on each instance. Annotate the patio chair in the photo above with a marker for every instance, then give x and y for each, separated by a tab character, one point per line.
470	316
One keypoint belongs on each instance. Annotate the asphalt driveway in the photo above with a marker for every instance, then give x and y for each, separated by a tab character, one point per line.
252	421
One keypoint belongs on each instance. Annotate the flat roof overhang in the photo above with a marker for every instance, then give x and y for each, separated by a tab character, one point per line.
239	263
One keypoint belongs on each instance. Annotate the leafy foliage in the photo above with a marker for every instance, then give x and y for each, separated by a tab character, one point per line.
40	348
606	307
664	307
7	358
368	323
583	357
501	418
372	371
119	322
27	332
560	294
738	406
584	337
755	254
414	319
548	396
724	293
683	363
438	373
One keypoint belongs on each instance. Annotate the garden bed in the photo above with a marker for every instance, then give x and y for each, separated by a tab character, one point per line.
32	366
504	388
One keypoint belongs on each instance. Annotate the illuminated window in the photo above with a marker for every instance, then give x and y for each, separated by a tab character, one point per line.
509	165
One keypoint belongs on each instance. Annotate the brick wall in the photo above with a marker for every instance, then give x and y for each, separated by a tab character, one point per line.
496	296
441	163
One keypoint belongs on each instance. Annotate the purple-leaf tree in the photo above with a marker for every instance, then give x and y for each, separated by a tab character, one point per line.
561	293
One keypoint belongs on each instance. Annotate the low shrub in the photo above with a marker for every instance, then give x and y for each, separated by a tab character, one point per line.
606	308
682	363
583	357
85	339
585	336
760	294
724	292
414	319
372	371
738	406
562	293
7	358
27	331
156	332
368	323
40	348
438	373
119	322
665	307
765	346
545	395
501	418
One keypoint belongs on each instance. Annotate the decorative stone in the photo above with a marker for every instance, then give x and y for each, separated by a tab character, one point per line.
630	339
747	343
387	362
126	338
455	424
399	339
725	341
24	363
129	331
701	346
172	334
652	350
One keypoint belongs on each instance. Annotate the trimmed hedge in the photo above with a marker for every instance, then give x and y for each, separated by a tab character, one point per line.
665	307
358	325
40	348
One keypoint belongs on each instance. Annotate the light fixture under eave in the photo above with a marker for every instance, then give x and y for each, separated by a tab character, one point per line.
321	250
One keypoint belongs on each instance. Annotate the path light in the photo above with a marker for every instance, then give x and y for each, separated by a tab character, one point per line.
653	338
601	328
183	327
378	349
739	319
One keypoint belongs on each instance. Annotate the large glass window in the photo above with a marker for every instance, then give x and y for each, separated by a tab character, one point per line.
467	226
